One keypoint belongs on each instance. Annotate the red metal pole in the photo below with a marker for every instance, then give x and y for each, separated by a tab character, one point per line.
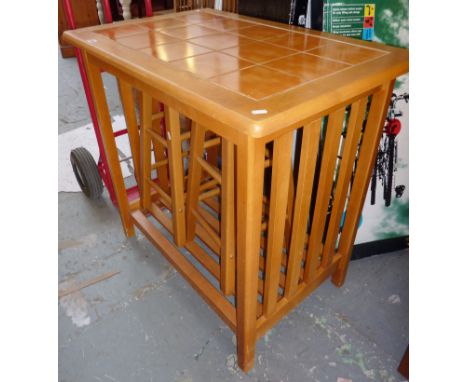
107	11
149	8
84	78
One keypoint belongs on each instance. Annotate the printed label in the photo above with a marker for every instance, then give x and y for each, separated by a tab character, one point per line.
352	20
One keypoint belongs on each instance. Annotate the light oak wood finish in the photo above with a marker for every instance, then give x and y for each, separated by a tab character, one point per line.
176	171
267	244
277	219
105	125
228	229
353	133
324	189
128	106
221	233
366	162
308	158
250	170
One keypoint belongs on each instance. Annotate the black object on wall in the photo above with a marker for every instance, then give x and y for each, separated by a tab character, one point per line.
276	10
317	14
285	11
299	12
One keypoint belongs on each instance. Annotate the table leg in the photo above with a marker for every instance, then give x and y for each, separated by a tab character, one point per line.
105	126
128	107
250	174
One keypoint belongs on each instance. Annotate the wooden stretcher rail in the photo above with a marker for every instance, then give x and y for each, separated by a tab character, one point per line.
209	293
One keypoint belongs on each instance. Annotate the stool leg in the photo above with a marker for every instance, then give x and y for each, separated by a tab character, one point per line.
159	151
194	177
250	173
176	171
145	145
228	239
212	153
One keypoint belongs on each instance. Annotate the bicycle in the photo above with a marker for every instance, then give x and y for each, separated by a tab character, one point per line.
387	155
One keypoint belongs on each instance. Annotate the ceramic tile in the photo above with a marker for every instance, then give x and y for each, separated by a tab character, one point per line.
188	31
261	32
219	41
351	54
121	31
257	81
196	18
210	64
146	40
306	66
258	52
225	24
175	51
164	23
298	41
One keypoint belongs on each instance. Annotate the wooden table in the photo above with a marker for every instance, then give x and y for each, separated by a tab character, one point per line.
285	124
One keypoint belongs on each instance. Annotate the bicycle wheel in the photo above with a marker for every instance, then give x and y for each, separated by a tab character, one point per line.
388	187
374	181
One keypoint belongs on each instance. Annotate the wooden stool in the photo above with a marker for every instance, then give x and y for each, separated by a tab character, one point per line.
171	193
220	182
203	189
168	154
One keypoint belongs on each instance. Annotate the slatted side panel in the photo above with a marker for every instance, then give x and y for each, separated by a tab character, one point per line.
308	192
342	183
195	201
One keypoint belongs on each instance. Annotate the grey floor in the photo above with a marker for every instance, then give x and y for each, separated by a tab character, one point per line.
147	324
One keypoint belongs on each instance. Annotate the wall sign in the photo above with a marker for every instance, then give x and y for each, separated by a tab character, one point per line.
352	20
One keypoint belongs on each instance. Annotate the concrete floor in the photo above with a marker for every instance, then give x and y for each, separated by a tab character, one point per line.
147	324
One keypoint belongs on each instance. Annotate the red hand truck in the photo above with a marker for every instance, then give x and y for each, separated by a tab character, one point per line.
90	176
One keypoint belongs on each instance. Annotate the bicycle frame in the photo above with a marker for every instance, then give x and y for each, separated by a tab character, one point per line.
385	163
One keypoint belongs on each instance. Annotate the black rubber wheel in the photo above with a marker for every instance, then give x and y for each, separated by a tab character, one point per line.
86	172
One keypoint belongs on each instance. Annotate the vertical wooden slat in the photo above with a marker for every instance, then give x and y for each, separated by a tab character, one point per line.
212	152
290	208
128	106
281	171
307	164
105	126
146	124
341	190
250	173
176	171
367	154
159	150
327	170
228	238
194	177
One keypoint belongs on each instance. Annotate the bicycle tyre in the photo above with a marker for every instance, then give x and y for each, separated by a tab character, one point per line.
389	183
374	182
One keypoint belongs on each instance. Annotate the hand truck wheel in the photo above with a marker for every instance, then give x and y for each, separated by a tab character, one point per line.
86	172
